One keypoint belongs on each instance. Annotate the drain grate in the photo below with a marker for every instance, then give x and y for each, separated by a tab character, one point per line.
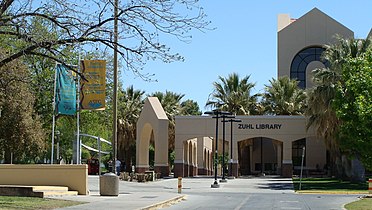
149	196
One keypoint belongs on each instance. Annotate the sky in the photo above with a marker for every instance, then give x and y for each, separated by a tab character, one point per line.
244	41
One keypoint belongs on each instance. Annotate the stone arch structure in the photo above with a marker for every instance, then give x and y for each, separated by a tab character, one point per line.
152	125
282	130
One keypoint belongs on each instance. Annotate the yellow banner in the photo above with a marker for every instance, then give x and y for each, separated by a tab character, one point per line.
93	91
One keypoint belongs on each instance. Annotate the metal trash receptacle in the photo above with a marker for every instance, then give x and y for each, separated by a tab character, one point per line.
109	185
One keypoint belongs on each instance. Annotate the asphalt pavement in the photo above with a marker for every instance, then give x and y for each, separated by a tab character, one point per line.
196	193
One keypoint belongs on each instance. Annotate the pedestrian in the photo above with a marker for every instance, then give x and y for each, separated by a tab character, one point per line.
118	166
110	166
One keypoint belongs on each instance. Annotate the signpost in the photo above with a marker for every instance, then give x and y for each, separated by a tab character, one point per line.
302	165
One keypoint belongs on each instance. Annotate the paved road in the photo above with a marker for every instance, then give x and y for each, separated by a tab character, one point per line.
256	193
249	193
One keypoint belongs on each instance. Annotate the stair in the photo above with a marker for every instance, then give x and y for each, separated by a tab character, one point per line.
35	191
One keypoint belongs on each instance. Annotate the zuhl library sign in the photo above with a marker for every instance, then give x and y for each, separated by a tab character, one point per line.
260	126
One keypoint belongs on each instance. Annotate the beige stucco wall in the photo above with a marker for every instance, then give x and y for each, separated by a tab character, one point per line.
287	130
152	121
204	144
315	28
75	177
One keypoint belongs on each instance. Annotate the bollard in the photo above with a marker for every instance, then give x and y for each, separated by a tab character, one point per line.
370	186
109	185
179	184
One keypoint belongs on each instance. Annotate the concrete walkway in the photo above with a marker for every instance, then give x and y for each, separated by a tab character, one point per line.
132	195
164	192
153	195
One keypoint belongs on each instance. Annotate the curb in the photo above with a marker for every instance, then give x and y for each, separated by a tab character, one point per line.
163	203
331	192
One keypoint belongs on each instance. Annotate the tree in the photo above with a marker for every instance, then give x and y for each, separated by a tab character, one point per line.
234	95
284	97
353	106
190	107
130	105
21	133
89	25
321	112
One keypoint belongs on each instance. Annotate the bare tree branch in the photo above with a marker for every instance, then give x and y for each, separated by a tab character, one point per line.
143	25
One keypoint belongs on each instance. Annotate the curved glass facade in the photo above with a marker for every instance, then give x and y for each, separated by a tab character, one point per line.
300	62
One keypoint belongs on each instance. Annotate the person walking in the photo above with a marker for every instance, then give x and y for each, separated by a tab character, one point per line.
118	166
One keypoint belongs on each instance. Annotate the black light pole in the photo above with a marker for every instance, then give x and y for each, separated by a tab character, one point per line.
216	114
231	142
262	165
224	116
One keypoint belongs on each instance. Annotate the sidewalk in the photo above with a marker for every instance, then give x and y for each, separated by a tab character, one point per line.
132	195
197	191
152	195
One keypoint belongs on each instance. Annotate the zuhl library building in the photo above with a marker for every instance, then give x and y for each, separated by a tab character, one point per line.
269	144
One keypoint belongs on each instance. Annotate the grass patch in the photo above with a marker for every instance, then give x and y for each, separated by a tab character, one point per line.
13	202
363	204
329	185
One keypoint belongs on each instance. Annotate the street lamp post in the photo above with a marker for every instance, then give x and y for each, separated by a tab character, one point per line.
216	114
224	116
231	143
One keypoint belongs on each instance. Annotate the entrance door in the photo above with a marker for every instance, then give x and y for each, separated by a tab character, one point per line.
244	157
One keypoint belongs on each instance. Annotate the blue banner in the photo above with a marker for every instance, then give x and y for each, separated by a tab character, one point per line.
65	91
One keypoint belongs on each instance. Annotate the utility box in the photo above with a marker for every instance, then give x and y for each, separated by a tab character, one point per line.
109	185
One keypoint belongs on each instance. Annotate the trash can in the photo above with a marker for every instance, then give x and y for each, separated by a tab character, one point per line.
109	185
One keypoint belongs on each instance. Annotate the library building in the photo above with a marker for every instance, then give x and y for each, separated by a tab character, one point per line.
256	144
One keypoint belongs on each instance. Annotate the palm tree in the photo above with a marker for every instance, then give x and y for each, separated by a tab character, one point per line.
320	111
190	107
284	97
130	105
234	95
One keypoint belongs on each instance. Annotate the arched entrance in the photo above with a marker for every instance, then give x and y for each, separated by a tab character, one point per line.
193	157
190	157
259	155
275	133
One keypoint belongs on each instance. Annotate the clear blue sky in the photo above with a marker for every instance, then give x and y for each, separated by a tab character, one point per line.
244	41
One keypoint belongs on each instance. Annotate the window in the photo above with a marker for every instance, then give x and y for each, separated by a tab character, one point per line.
300	62
297	147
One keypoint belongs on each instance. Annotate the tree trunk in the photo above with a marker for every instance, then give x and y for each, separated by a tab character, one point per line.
358	171
7	157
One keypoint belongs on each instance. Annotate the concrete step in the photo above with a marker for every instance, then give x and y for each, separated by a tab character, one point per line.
49	188
59	194
35	191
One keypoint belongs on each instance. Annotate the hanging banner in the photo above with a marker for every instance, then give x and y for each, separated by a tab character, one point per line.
65	91
92	90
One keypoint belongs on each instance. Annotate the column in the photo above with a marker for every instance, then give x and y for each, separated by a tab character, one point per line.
287	165
279	157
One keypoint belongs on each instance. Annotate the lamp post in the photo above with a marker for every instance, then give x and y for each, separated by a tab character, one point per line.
216	114
224	116
231	143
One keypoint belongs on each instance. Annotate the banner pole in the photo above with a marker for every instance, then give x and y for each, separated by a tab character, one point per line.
115	111
54	110
78	143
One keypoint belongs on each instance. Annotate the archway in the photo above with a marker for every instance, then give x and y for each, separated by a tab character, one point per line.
259	155
152	126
